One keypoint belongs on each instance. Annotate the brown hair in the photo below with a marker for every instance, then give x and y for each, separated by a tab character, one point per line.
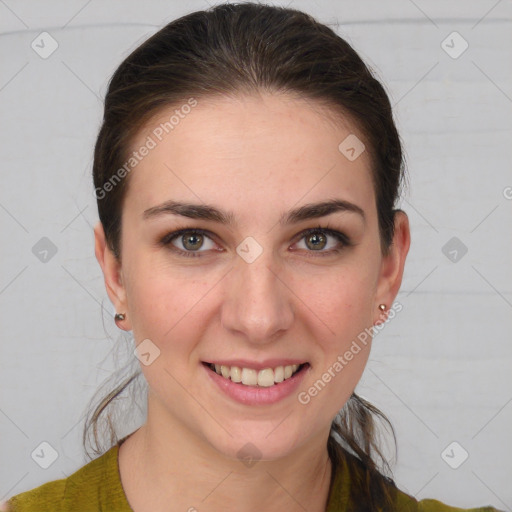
249	48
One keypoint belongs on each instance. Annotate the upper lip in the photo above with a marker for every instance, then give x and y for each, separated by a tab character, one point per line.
257	365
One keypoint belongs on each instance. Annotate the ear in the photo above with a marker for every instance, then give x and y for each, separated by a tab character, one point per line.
112	274
392	266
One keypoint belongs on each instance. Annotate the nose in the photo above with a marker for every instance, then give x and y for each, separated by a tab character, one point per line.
257	304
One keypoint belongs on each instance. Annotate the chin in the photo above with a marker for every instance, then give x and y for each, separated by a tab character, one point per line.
251	443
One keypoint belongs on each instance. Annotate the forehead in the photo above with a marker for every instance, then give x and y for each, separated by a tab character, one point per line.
268	148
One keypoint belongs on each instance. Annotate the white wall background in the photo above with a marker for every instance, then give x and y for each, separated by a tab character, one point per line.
441	370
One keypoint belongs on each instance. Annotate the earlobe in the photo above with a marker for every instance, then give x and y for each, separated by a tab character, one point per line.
111	268
392	267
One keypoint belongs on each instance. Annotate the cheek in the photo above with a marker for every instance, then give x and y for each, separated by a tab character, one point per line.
170	313
156	299
339	298
338	305
170	306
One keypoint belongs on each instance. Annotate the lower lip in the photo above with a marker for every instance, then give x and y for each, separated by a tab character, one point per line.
256	395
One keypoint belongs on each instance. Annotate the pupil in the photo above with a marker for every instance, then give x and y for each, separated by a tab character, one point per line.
318	240
192	241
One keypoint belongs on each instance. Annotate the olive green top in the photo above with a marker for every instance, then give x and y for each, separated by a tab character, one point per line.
97	487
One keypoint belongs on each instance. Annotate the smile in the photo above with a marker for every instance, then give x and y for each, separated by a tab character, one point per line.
269	384
265	377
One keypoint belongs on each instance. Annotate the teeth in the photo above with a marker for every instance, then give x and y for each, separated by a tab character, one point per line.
249	377
236	374
263	378
266	377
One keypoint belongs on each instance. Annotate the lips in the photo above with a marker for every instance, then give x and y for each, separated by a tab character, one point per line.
255	392
255	365
249	376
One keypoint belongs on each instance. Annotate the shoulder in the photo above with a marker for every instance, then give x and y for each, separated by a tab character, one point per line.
429	505
50	493
351	470
91	487
407	503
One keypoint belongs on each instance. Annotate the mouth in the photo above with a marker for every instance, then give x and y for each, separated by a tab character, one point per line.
250	377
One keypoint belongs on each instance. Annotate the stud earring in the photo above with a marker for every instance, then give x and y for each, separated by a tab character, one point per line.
382	307
119	317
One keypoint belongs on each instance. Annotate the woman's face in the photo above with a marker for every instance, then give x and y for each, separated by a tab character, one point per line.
249	289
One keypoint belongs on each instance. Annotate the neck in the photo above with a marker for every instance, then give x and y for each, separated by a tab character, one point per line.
164	465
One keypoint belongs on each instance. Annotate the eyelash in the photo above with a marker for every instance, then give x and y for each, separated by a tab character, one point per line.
167	240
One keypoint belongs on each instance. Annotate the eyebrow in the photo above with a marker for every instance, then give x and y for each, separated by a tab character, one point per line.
208	212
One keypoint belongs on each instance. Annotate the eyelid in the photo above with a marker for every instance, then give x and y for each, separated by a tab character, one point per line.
342	238
167	239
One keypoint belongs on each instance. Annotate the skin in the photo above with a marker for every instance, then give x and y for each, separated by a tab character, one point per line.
258	157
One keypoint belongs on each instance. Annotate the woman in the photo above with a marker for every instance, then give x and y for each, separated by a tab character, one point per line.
246	173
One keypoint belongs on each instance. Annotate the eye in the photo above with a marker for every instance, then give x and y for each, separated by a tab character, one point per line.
317	240
189	241
192	242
